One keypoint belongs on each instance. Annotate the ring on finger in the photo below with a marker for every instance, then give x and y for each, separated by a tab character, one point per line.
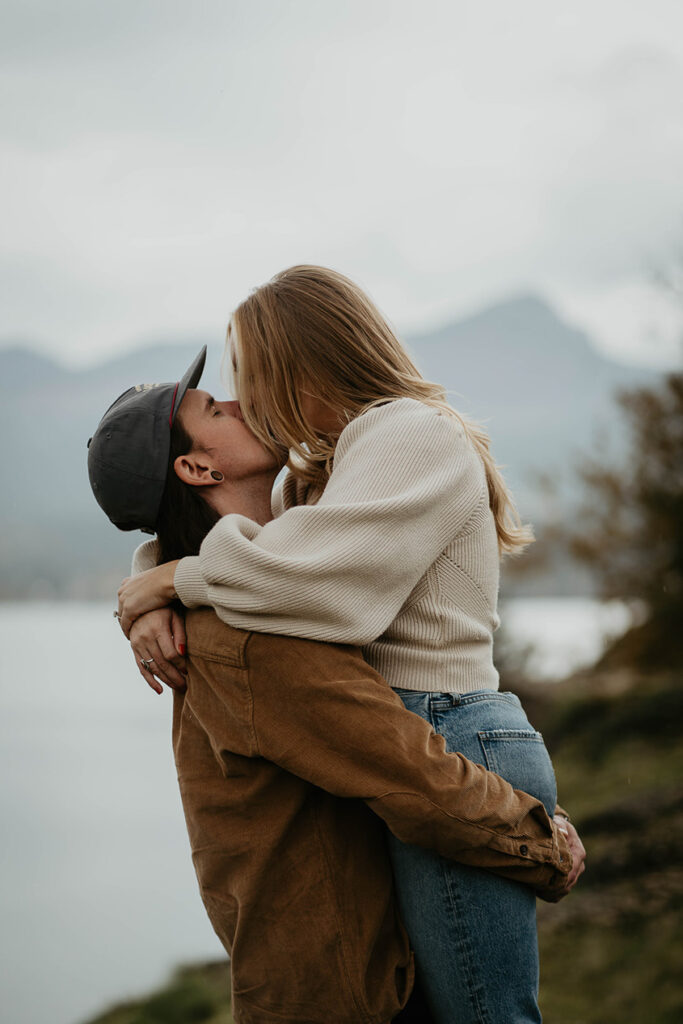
146	662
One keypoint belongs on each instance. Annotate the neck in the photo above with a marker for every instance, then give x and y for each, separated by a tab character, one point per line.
249	497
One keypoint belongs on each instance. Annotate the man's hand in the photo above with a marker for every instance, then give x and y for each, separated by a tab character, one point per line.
576	848
145	592
578	853
158	637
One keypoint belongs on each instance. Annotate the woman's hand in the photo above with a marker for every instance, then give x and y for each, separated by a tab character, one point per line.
151	589
576	848
158	637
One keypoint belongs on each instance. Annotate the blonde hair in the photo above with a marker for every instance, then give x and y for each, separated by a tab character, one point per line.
312	330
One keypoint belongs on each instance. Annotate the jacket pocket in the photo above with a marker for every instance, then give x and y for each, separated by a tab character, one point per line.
520	757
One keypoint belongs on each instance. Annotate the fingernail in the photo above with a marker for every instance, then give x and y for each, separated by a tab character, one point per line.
182	648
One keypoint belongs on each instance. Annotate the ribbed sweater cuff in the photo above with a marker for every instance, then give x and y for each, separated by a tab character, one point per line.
190	585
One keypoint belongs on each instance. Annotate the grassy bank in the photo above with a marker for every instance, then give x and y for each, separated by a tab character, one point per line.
613	951
200	993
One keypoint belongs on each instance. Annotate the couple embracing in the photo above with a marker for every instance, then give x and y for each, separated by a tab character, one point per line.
371	819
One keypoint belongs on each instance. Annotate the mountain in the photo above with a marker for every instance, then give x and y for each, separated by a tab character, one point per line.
538	384
541	388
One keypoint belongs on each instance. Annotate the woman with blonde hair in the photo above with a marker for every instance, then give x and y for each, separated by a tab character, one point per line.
388	534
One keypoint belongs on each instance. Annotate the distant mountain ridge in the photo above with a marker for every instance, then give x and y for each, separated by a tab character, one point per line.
538	384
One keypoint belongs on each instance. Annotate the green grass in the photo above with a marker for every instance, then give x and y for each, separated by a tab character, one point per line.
613	966
613	950
633	768
199	994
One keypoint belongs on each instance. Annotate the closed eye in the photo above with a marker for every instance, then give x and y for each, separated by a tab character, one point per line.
211	406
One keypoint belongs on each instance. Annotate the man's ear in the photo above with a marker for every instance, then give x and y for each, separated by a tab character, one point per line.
195	469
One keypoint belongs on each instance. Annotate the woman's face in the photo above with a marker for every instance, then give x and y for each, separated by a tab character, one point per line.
217	429
321	417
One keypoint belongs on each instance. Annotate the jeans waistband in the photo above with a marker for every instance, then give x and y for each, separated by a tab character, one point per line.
454	700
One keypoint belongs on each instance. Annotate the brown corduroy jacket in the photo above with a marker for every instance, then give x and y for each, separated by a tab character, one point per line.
271	736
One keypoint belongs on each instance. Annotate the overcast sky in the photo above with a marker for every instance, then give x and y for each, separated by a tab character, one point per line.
160	158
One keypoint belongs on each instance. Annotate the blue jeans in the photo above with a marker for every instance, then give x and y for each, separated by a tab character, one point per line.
474	933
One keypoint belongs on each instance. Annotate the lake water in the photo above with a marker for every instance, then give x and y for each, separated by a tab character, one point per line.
97	892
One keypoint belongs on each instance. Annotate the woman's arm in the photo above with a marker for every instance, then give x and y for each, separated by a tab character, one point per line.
405	483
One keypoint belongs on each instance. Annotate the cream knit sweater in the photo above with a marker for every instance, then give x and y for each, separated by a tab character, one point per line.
399	555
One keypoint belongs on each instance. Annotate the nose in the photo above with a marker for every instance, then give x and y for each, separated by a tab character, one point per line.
233	409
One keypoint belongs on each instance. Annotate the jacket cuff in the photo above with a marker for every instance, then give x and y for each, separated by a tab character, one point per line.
561	812
190	585
561	855
552	875
553	888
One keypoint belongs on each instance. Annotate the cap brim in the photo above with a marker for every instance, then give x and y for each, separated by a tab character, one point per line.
190	379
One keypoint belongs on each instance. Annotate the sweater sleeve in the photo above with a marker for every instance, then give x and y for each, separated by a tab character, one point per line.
405	483
146	556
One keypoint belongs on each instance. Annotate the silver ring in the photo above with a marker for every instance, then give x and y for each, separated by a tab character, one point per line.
117	613
146	662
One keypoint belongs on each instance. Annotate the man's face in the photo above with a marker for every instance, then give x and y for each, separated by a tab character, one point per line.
218	429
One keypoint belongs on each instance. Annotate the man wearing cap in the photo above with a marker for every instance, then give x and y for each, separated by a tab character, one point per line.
128	453
270	734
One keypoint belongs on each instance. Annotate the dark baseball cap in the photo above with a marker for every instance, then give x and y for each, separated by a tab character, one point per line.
128	453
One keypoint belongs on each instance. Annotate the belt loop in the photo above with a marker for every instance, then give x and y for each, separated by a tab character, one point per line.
442	700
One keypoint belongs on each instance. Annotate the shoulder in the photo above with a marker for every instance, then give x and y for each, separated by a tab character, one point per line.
398	410
407	425
292	492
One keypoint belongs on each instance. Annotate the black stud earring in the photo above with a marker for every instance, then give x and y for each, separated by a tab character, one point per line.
216	475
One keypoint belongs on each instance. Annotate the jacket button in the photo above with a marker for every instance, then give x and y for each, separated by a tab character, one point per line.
524	849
